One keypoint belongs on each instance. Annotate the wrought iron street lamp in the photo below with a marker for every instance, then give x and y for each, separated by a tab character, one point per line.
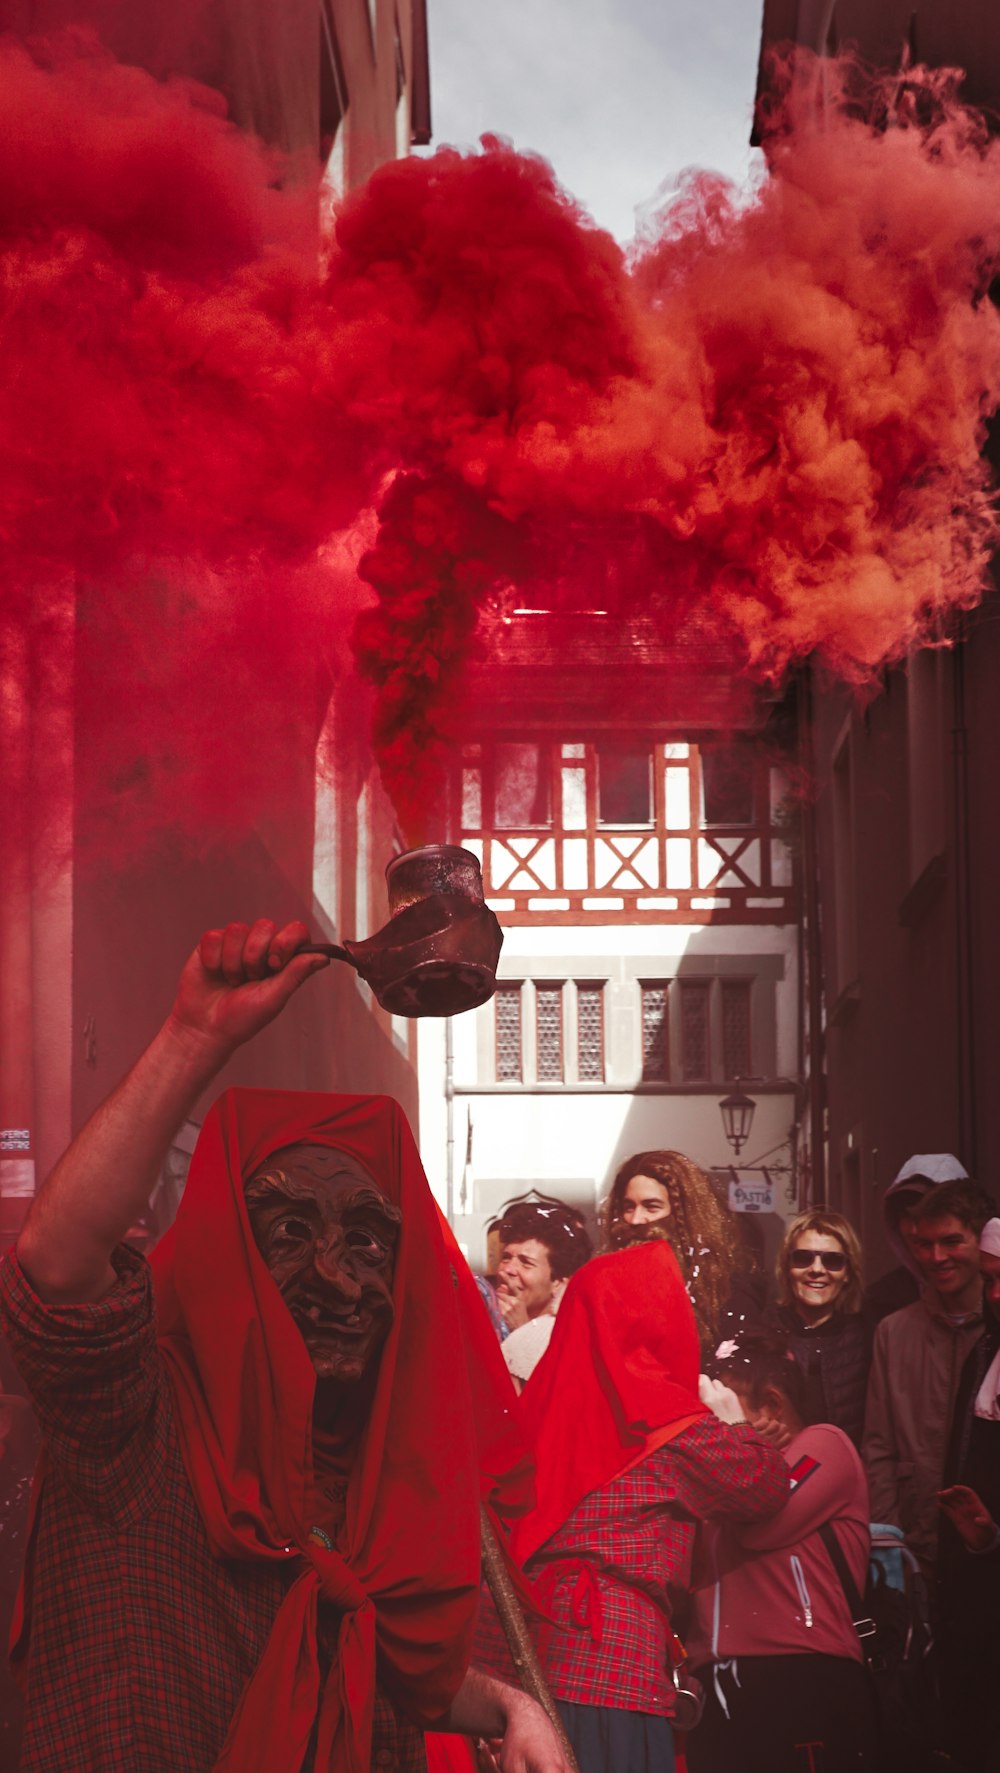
737	1112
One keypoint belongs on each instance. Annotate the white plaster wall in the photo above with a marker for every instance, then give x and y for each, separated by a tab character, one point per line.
566	1139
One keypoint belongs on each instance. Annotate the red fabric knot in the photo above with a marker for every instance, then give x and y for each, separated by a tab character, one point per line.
586	1609
337	1581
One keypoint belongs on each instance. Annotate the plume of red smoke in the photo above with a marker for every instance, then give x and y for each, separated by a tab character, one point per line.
771	413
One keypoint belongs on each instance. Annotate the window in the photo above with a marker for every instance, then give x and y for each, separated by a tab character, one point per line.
624	786
696	1063
655	1033
701	1031
548	1033
521	787
736	1029
590	1033
624	833
727	780
508	1033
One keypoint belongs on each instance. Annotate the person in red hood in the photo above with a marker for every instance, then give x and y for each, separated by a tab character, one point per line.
256	1538
629	1456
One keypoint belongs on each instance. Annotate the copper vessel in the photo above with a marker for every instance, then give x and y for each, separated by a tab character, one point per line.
438	953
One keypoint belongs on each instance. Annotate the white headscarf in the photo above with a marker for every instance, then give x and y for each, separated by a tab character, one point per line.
989	1240
987	1402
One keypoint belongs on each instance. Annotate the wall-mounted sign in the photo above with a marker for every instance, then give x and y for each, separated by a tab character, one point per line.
750	1192
15	1138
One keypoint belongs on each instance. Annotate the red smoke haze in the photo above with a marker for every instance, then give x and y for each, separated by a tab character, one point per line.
771	414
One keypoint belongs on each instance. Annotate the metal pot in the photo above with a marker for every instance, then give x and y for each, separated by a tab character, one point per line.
438	953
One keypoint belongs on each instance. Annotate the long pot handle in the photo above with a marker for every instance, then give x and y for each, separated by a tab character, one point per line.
519	1639
333	949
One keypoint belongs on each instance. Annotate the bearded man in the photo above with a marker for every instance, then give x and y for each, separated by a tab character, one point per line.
255	1542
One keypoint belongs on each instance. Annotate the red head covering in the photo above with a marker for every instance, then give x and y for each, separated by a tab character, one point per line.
406	1579
618	1380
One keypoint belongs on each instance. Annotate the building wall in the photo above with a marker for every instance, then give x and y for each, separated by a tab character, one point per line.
675	903
91	948
569	1138
906	869
961	34
906	801
265	58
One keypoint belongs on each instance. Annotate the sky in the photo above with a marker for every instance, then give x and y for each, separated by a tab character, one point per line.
619	95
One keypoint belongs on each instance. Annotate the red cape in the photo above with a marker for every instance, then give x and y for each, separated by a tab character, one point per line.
408	1576
618	1379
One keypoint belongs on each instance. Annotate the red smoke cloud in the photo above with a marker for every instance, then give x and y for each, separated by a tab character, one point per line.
773	413
769	414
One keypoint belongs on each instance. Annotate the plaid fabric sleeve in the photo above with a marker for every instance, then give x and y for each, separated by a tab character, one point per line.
95	1379
725	1473
490	1651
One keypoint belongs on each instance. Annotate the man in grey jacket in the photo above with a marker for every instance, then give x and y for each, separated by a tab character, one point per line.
920	1174
918	1358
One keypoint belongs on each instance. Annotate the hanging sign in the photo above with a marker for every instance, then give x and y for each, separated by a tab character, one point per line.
750	1192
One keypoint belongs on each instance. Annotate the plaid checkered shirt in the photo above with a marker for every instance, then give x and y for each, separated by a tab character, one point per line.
142	1639
604	1578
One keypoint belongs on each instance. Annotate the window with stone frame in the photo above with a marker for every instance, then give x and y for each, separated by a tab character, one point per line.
695	1032
549	1033
655	1031
509	1046
736	1041
590	1032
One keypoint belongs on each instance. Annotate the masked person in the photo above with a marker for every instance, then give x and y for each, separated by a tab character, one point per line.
628	1459
670	1195
255	1547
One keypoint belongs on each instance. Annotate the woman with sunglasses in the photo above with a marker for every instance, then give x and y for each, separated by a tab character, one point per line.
819	1314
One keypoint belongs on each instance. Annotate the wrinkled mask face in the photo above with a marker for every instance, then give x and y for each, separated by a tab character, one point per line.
328	1236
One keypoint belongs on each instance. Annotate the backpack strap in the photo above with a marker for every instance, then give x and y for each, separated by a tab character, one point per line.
864	1625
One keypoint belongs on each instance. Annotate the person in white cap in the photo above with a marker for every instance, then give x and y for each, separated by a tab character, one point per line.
925	1171
969	1550
918	1357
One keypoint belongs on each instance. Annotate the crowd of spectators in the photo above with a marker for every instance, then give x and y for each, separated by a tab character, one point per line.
714	1447
859	1411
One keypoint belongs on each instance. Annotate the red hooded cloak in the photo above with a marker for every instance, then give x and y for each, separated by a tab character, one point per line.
405	1576
618	1379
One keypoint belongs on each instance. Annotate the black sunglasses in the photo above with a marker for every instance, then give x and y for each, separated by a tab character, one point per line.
834	1261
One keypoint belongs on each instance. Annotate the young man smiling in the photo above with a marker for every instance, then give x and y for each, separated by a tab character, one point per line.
918	1358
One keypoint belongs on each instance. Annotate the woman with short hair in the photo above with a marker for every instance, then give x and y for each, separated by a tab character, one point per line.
819	1314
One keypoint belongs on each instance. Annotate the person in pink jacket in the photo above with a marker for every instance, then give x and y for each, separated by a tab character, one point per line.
771	1637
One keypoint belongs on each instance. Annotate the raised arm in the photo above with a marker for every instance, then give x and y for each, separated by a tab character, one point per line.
236	981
